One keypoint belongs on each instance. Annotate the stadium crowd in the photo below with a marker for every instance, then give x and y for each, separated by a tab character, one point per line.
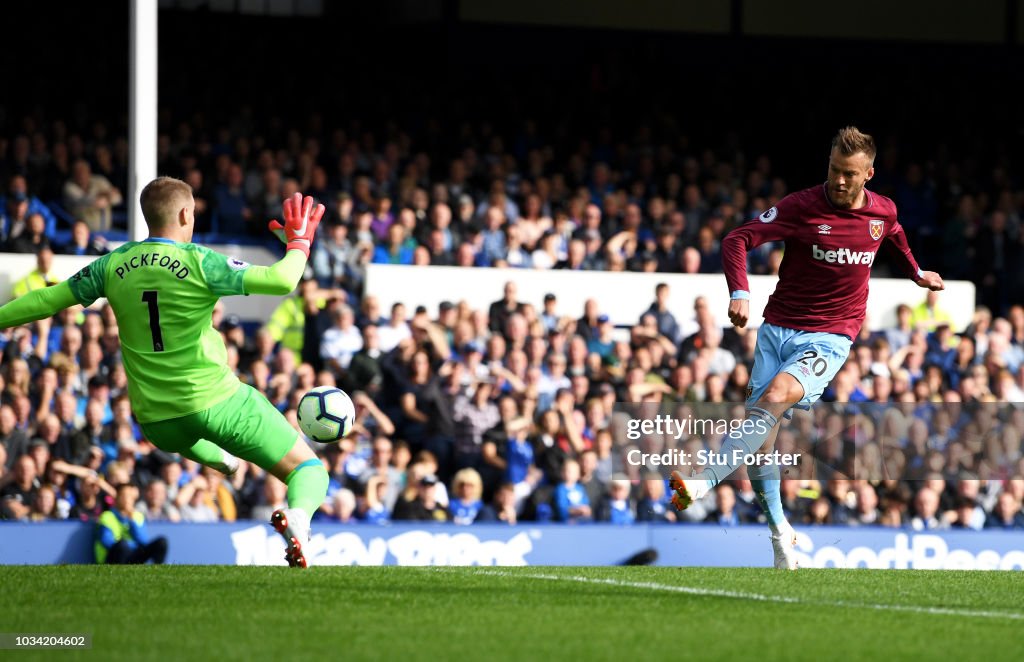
531	197
506	414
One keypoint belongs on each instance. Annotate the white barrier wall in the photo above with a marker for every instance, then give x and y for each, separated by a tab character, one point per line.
625	296
622	296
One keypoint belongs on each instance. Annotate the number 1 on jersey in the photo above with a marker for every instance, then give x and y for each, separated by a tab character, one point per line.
149	296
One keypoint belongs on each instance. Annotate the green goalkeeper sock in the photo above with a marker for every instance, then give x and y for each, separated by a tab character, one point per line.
307	486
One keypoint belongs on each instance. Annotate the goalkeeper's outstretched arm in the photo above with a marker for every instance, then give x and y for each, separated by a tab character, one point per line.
279	278
37	305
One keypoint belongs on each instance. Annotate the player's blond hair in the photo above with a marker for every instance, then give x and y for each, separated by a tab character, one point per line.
162	199
850	140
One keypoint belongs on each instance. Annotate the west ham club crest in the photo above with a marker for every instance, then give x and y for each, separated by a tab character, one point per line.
875	228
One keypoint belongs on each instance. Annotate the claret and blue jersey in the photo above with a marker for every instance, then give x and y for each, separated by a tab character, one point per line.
823	279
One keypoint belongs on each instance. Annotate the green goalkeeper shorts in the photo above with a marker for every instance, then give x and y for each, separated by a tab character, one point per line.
245	425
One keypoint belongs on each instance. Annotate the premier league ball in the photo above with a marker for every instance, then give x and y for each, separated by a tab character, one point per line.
326	414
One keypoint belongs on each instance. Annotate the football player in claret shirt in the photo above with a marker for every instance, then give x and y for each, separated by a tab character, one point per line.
163	290
832	233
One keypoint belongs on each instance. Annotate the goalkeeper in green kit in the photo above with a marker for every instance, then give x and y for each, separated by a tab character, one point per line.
163	290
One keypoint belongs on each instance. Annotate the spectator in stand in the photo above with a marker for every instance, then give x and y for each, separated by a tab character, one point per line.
395	250
423	506
268	204
287	324
92	498
501	310
336	262
91	197
466	503
156	507
203	198
928	314
1007	514
494	246
617	506
341	341
549	316
274	495
234	215
966	508
899	337
83	242
380	466
13	220
725	512
667	325
342	505
194	501
32	238
44	506
571	502
474	414
370	507
866	512
926	511
396	330
365	372
516	254
653	504
18	192
17	496
819	512
39	278
440	222
503	508
602	343
13	440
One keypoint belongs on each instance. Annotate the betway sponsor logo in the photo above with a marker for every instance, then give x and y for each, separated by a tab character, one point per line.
919	552
258	545
843	256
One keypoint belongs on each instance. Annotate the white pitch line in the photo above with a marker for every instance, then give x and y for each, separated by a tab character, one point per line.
759	597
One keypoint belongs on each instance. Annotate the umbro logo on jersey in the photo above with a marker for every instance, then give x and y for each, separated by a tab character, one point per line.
824	229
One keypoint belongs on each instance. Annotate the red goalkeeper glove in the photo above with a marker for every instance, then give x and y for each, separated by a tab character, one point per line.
301	219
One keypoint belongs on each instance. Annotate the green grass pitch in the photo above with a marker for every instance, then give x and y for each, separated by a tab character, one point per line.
627	613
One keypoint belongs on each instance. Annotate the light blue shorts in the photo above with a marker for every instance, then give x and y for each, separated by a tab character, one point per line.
812	357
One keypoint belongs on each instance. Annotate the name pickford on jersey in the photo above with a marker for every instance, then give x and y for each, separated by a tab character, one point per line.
163	294
823	278
179	270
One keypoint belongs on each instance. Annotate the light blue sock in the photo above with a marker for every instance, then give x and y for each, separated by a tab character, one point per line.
768	488
749	442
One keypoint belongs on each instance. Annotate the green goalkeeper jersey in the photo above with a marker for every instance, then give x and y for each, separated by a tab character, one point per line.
163	294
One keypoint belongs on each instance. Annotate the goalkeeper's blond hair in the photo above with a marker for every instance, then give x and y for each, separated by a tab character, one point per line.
162	199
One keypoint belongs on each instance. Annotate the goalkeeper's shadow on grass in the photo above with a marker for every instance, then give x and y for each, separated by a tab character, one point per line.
643	557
